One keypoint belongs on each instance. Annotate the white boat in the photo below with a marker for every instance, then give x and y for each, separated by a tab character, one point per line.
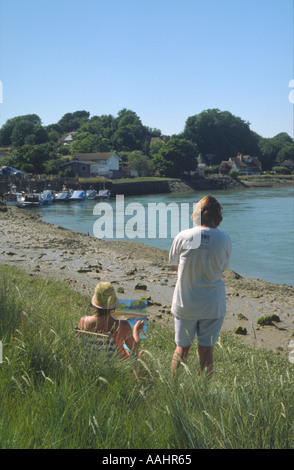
30	200
104	194
46	198
63	196
78	196
91	194
12	198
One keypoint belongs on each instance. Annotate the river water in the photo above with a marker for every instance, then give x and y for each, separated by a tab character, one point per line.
259	221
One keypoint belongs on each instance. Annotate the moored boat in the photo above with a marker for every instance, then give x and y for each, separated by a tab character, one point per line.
46	198
91	194
63	196
30	200
12	198
104	194
78	196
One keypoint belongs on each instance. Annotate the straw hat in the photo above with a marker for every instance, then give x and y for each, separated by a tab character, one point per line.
104	296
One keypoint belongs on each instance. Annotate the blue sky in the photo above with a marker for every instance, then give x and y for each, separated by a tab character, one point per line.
164	59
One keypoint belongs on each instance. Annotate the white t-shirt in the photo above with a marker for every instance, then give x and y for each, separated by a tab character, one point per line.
200	290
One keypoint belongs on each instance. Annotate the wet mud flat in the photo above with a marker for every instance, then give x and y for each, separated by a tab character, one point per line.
138	270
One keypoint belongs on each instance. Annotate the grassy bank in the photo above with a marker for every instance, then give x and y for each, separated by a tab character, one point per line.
50	398
283	179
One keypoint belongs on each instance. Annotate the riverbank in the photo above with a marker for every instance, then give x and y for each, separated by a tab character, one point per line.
139	186
81	261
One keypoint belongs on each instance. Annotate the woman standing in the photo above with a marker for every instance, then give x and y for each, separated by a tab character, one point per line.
200	254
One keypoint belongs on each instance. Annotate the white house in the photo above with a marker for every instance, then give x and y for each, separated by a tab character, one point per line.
95	164
68	139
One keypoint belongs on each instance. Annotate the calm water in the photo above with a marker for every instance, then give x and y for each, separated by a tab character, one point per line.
260	223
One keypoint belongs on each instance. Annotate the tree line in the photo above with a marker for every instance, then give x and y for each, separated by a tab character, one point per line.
40	149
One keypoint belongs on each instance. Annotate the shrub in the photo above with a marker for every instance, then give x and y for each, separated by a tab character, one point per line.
281	170
234	173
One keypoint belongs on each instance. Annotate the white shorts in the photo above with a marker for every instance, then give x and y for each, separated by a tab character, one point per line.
207	331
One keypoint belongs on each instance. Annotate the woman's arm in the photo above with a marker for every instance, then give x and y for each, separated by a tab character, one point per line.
130	337
136	335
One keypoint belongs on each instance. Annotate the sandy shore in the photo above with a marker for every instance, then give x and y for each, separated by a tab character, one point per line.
81	260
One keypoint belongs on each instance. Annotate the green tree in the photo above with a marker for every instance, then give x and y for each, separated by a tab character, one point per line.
72	121
221	133
281	170
141	163
32	158
6	132
90	143
175	157
130	133
155	147
22	131
286	153
276	149
52	167
105	125
25	132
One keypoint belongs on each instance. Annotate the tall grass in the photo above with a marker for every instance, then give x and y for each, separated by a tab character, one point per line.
52	398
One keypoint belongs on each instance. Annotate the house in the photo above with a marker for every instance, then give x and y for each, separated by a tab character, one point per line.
68	139
244	164
288	164
127	172
94	164
153	140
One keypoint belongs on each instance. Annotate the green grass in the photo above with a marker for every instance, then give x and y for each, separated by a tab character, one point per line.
101	179
50	398
267	178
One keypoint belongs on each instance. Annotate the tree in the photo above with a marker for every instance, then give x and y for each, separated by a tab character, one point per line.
281	170
52	167
220	133
8	128
175	157
155	147
141	163
105	125
72	121
90	143
32	158
22	130
130	133
286	153
276	149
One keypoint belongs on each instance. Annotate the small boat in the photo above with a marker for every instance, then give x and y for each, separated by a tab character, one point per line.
30	200
12	198
104	194
46	197
91	194
63	196
78	196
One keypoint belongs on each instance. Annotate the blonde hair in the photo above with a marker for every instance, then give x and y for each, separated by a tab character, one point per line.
208	212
